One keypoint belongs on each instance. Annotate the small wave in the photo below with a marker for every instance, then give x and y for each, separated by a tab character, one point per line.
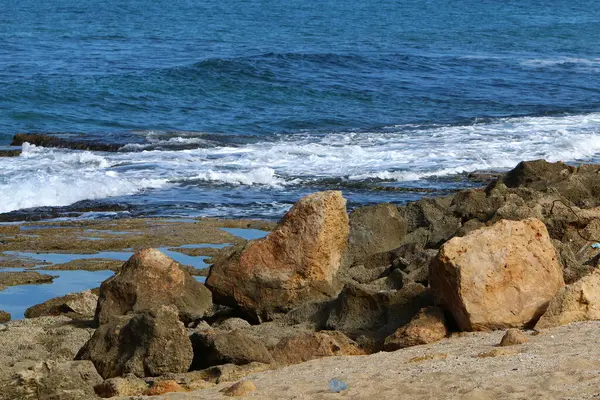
586	63
260	176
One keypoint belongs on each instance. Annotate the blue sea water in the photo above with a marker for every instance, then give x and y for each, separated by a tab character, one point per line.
238	108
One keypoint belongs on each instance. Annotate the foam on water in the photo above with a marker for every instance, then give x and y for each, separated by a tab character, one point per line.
52	177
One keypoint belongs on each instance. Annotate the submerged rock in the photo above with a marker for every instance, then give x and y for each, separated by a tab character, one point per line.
497	277
296	263
150	279
149	343
55	141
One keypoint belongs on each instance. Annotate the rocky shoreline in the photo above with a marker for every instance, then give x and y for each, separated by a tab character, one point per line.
382	284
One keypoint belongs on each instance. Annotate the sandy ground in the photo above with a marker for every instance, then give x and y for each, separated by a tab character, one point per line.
559	363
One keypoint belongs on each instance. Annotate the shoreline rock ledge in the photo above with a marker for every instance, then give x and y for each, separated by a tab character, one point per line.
497	277
296	263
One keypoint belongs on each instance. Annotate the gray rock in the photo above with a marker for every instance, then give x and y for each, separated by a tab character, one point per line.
222	347
231	324
149	343
374	229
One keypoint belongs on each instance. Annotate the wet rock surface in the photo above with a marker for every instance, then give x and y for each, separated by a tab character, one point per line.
23	278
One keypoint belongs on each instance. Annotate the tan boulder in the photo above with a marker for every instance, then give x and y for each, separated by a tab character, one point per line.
497	277
512	337
296	263
579	301
148	280
240	389
428	326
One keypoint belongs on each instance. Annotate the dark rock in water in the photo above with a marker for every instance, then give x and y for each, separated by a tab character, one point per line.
23	278
75	305
148	280
222	347
10	153
65	380
4	316
374	229
54	141
70	211
309	346
296	263
150	343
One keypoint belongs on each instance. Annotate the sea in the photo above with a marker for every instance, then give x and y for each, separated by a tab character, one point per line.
238	108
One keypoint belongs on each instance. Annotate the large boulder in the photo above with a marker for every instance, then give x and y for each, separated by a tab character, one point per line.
309	346
149	343
296	263
148	280
428	326
497	277
374	229
579	301
78	305
222	347
66	380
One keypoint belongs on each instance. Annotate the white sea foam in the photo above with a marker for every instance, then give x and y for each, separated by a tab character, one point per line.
49	177
585	63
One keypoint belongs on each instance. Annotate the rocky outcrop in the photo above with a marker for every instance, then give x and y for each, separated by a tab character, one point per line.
497	277
579	301
148	280
4	316
76	305
149	343
428	326
296	263
23	278
66	380
309	346
222	347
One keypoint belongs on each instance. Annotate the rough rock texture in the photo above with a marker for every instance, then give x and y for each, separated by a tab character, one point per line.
305	347
374	229
296	263
428	326
25	342
222	347
231	324
4	316
239	389
579	301
497	277
129	385
149	343
512	337
78	305
361	308
66	380
148	280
